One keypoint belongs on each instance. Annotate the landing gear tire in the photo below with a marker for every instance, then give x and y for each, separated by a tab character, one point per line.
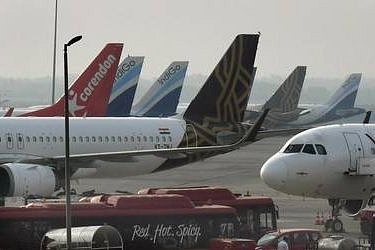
337	226
334	225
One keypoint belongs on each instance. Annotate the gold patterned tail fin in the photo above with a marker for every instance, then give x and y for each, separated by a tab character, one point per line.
225	94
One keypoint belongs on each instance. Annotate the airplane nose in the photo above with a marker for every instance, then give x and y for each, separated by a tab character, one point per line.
274	173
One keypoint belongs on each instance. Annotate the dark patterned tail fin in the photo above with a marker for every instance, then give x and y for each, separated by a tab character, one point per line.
286	97
225	94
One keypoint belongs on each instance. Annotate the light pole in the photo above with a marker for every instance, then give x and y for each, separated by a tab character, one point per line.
54	57
68	220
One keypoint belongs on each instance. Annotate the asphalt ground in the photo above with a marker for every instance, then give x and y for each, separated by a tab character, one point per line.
238	171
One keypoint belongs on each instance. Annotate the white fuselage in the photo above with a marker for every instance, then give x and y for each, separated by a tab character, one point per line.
345	171
34	137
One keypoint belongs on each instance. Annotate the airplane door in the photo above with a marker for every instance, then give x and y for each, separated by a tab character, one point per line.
20	141
354	144
9	138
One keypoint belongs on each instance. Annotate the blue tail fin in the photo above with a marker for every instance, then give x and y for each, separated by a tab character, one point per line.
123	90
344	97
163	96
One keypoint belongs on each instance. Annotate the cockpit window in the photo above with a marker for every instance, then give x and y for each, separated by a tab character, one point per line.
309	149
321	149
293	148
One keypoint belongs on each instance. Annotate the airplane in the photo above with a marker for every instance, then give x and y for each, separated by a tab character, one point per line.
163	96
283	103
32	149
124	86
339	106
334	162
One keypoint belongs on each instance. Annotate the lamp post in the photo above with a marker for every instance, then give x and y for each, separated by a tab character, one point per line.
67	168
54	57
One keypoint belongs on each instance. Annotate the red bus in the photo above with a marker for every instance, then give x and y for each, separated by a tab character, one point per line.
144	221
258	214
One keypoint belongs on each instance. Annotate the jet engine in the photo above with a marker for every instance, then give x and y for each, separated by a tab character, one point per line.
352	207
19	179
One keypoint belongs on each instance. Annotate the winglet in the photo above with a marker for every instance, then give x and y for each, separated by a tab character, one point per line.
367	117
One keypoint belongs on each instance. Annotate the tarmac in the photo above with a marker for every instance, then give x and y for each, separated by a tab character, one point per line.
238	171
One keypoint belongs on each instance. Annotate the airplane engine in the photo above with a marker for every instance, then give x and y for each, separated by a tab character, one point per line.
352	207
19	179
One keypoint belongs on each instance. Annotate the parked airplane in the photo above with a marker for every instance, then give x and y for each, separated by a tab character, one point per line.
124	87
163	96
283	103
32	148
339	106
334	162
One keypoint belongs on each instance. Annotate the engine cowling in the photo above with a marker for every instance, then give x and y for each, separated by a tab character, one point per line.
19	179
352	207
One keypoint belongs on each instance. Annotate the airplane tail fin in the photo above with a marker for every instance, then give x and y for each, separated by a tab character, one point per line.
123	90
286	97
163	96
220	104
89	94
344	97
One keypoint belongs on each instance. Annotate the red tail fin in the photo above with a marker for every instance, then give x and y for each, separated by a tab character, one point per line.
89	94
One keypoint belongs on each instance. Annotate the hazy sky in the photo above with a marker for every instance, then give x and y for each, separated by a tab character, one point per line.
333	38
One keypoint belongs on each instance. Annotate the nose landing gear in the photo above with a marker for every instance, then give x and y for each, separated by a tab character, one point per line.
334	224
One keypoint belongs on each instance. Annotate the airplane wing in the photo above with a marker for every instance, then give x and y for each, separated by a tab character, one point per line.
249	137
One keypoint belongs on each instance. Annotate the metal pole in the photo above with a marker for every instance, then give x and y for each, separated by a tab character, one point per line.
54	57
68	220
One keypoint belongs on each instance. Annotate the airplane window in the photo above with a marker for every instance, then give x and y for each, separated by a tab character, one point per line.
54	139
74	139
106	139
132	138
80	139
100	139
293	148
113	139
321	150
119	138
309	149
27	139
34	138
125	138
145	138
170	138
47	139
61	139
40	138
93	139
164	140
138	138
19	138
157	139
151	139
87	139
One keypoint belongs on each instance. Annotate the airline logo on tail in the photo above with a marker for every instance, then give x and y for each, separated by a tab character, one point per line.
87	91
169	73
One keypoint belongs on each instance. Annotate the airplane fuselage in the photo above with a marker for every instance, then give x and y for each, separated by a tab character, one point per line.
25	138
335	161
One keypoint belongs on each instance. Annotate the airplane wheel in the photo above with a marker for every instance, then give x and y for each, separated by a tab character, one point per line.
337	226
